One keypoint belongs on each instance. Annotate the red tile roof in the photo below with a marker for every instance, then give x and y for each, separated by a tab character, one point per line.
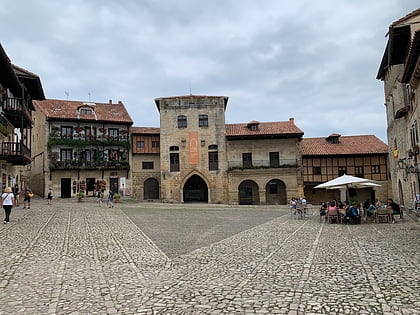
279	129
145	130
68	110
348	145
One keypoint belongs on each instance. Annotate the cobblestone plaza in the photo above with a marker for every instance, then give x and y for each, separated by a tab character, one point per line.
153	258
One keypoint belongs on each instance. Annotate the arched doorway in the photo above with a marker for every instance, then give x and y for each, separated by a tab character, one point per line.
151	189
195	190
275	192
248	193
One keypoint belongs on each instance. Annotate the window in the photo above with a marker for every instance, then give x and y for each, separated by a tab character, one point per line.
273	188
113	132
213	147
191	105
89	155
274	159
85	111
247	160
376	169
155	144
414	134
316	170
90	133
66	154
213	161
342	170
359	171
140	144
182	121
174	148
203	120
66	132
147	165
174	162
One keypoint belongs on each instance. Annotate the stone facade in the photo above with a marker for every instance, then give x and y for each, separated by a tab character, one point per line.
203	159
399	70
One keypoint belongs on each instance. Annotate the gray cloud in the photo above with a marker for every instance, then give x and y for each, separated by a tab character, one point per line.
314	61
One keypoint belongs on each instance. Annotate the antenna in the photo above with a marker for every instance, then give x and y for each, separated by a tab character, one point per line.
89	96
67	94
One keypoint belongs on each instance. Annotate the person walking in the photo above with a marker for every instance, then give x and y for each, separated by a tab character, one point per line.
15	191
50	195
7	199
27	195
111	199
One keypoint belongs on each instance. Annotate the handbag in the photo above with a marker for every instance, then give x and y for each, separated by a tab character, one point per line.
30	195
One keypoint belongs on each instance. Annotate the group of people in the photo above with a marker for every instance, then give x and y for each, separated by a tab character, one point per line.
347	213
298	205
110	199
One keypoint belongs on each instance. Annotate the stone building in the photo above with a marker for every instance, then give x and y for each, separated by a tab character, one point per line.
324	159
400	71
196	156
18	87
80	147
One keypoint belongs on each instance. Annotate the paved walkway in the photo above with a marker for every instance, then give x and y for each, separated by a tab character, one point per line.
77	258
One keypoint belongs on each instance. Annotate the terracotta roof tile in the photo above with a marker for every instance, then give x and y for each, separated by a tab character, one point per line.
279	128
348	145
68	110
145	130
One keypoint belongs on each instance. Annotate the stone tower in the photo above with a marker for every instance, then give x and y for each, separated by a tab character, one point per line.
193	159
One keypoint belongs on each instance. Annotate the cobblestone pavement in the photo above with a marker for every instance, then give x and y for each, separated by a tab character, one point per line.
78	258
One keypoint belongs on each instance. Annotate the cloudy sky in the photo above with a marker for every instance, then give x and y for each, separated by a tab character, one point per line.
315	61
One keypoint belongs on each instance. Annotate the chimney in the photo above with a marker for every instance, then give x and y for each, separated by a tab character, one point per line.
110	102
292	121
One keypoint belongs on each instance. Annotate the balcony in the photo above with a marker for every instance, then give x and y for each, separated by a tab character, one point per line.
16	153
17	112
81	141
261	164
89	165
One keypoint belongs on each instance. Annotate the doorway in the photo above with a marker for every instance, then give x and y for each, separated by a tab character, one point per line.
151	189
195	190
66	188
90	187
113	184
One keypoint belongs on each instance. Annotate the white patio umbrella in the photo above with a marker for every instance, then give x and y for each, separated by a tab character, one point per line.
345	182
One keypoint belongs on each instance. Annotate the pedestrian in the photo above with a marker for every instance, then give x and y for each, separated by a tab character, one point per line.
111	199
100	196
50	195
7	200
15	191
27	195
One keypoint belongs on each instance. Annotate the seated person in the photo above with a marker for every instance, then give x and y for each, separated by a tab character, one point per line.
395	209
371	210
332	209
323	209
353	214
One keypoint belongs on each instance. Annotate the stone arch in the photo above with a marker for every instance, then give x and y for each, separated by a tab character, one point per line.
275	192
248	193
195	189
151	189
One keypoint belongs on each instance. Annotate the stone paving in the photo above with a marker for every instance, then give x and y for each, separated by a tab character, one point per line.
78	258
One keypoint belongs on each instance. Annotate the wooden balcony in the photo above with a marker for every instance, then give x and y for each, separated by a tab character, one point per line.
16	153
17	112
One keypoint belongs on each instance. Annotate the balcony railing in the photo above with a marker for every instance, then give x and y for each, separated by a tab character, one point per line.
80	141
261	164
92	165
17	112
16	153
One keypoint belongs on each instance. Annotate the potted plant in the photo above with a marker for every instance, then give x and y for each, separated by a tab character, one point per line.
80	195
117	197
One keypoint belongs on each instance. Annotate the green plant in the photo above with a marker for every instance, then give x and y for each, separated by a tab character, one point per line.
80	195
117	196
